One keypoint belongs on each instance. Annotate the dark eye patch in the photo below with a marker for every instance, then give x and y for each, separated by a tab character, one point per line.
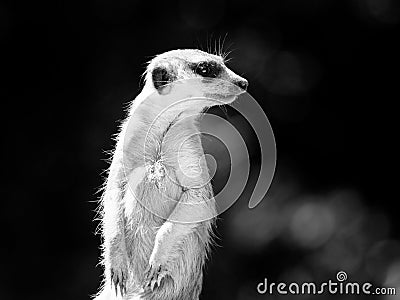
160	77
209	69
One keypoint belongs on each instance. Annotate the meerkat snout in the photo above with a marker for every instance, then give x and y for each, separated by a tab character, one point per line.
242	84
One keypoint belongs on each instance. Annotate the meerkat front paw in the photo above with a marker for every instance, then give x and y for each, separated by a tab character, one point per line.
155	272
119	274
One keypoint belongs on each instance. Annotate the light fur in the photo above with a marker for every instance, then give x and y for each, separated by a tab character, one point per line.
157	206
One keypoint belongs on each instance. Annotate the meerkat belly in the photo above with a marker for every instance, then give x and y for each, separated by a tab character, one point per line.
152	194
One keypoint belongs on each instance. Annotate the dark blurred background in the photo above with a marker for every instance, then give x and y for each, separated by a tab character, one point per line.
325	73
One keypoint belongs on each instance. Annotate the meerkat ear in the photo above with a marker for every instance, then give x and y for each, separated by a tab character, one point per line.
161	76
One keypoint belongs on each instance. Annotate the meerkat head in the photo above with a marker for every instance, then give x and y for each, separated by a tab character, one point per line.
193	73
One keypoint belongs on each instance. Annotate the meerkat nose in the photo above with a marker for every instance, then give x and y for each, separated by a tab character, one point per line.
242	84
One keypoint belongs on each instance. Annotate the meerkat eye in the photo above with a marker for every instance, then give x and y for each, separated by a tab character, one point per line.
208	69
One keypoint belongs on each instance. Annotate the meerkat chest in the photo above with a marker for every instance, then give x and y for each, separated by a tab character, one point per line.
165	150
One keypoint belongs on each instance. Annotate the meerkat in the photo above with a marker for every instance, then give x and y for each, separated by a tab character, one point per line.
157	206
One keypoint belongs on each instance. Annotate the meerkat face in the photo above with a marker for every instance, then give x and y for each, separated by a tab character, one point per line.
194	73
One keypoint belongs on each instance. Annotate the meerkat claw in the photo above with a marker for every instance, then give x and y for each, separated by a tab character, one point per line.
118	279
122	287
121	290
112	276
